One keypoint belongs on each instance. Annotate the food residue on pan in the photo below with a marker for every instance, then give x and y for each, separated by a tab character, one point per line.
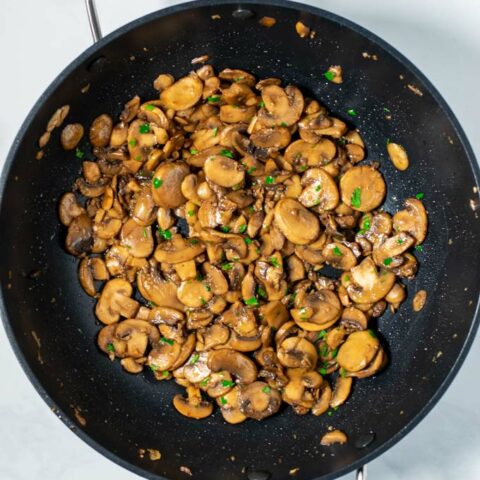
334	436
294	471
370	56
186	470
415	90
419	300
398	156
80	418
334	74
201	59
36	338
267	22
302	29
85	89
153	453
203	219
216	17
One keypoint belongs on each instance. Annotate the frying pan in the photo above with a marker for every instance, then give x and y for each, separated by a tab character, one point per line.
41	297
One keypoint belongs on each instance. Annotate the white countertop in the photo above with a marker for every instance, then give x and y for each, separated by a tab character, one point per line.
39	38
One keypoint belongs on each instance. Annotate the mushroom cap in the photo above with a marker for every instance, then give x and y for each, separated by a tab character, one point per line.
223	171
183	94
358	351
343	387
170	176
334	436
229	407
319	189
365	186
282	106
299	225
114	292
296	352
192	409
194	294
236	363
258	400
339	256
412	220
79	237
138	239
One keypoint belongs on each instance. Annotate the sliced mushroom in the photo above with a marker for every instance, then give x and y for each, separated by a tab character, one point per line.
362	188
213	336
194	294
316	154
100	131
317	310
339	256
183	94
223	171
358	350
282	106
297	352
229	406
271	137
341	392
178	250
236	363
319	189
299	225
257	400
354	319
274	314
137	239
385	253
166	184
68	208
193	406
91	269
335	436
322	399
79	238
412	220
115	302
398	156
71	136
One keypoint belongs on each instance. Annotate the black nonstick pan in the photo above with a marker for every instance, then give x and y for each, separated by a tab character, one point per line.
118	414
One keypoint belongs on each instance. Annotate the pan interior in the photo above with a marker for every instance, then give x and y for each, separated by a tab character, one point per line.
125	413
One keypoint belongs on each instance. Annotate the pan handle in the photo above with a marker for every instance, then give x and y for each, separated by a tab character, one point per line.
93	20
362	473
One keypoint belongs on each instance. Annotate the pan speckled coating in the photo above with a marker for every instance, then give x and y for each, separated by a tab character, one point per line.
41	296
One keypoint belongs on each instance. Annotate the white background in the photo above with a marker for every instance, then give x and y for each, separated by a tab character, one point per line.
39	38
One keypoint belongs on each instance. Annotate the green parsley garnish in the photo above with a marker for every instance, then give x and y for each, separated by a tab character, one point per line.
193	151
227	266
248	240
213	99
419	248
323	371
356	199
157	182
165	234
252	302
191	213
385	109
223	400
204	302
132	143
138	158
329	75
329	413
266	389
261	292
337	251
110	347
193	241
153	367
226	153
352	112
194	359
79	153
261	104
372	333
149	107
167	340
419	196
144	128
274	262
343	372
365	225
145	234
269	180
215	131
334	353
227	383
165	373
388	261
323	350
321	334
283	124
347	278
242	228
238	79
200	277
400	241
251	170
204	382
225	229
318	188
207	288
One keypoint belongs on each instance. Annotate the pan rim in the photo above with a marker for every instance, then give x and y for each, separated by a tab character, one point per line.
67	417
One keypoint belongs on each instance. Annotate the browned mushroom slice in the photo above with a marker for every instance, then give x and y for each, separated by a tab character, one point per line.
241	319
79	238
141	139
398	155
300	152
130	365
322	399
163	81
157	290
215	279
178	250
194	294
297	352
274	314
408	268
223	171
169	316
319	189
164	355
339	256
196	370
213	336
396	295
317	310
358	351
412	220
238	76
68	208
183	94
354	319
100	131
276	137
145	211
244	344
236	114
259	401
335	436
153	113
137	239
136	334
91	269
229	407
282	106
419	300
115	301
362	188
193	406
375	366
71	136
368	284
236	363
217	384
298	224
385	253
166	183
341	392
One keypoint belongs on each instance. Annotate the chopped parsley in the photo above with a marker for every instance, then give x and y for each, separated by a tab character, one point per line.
419	196
238	79
261	292
153	367
226	153
252	302
227	266
79	153
157	182
133	142
169	341
385	109
372	333
352	112
248	240
334	353
207	288
215	131
419	248
400	241
329	75
261	104
203	301
251	170
194	359
204	382
283	124
144	128
337	251
165	234
165	373
110	347
213	99
223	400
193	151
149	107
365	225
347	278
145	234
318	188
193	241
322	371
269	180
242	228
225	229
388	261
138	158
273	261
356	199
343	372
321	334
191	213
266	389
227	383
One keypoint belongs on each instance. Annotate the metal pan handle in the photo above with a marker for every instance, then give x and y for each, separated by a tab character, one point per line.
97	35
